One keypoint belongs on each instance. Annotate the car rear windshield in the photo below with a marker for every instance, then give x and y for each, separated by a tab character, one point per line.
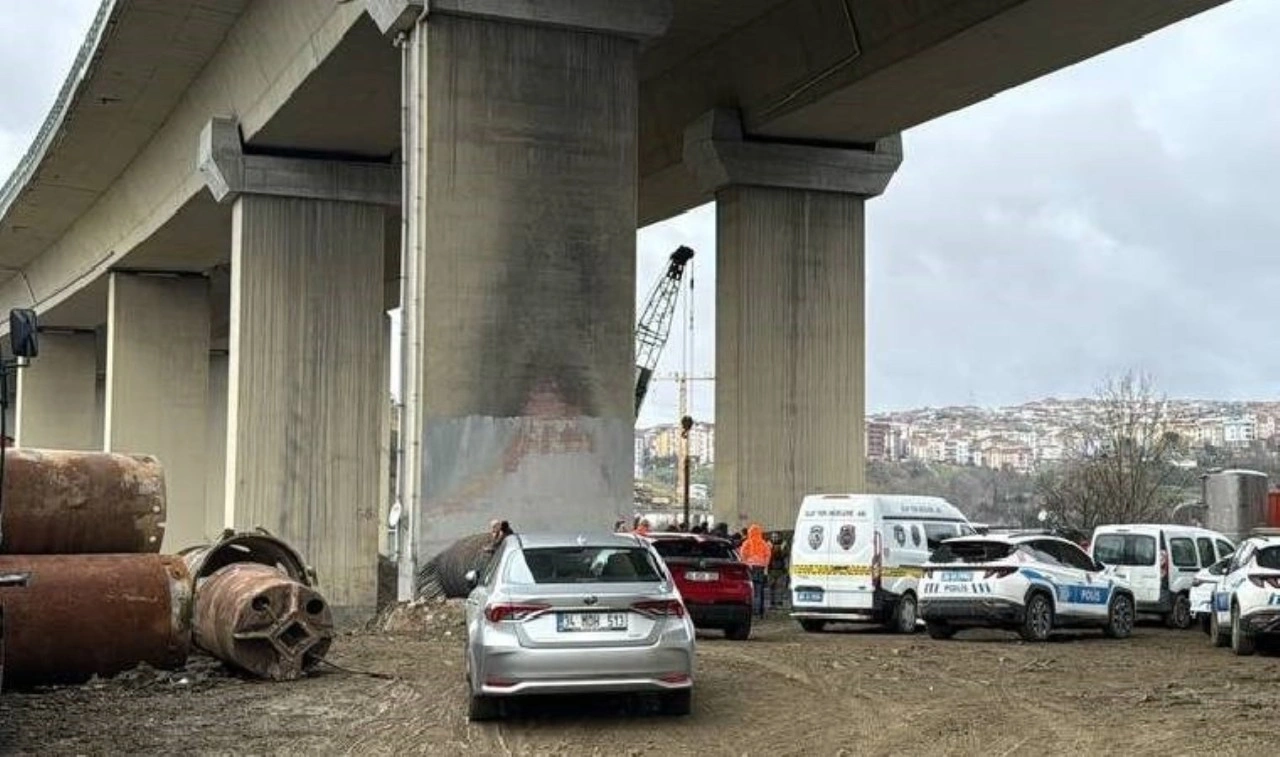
976	552
695	549
583	565
1269	557
1125	549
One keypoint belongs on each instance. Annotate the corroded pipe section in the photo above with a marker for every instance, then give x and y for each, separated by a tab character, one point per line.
81	615
258	619
8	580
65	502
249	546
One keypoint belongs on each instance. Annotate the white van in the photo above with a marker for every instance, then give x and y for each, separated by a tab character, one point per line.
857	557
1160	562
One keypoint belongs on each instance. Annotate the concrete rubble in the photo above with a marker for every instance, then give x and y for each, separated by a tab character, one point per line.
83	594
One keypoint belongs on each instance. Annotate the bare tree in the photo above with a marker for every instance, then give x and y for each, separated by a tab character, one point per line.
1121	465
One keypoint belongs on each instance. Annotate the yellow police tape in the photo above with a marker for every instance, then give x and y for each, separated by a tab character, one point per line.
853	570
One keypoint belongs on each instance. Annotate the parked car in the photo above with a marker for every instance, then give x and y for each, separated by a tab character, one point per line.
856	557
1246	604
713	581
1203	586
570	613
1159	562
1029	583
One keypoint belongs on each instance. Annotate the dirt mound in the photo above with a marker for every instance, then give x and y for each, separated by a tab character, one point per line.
429	618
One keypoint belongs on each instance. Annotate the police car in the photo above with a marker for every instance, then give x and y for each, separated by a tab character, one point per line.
1029	583
1246	603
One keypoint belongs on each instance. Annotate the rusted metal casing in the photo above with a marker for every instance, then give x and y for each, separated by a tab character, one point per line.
66	502
81	615
258	619
11	581
250	546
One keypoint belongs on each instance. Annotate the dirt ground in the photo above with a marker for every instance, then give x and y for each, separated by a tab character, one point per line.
783	692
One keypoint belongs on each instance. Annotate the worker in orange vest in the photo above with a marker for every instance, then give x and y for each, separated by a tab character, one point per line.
756	553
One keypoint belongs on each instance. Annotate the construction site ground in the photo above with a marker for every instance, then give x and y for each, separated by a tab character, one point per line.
855	691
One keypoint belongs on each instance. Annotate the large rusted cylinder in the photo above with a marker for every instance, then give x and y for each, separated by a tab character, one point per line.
260	620
81	615
249	546
59	502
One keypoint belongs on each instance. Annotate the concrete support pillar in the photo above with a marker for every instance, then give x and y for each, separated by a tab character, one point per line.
305	392
520	266
790	295
157	388
215	468
56	405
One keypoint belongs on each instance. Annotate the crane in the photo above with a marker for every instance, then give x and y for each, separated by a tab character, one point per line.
655	321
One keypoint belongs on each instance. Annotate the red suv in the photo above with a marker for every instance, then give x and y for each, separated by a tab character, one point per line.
714	582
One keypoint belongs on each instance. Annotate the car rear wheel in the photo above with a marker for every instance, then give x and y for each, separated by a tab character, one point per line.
740	632
1180	616
677	703
1241	640
1039	618
483	708
1217	634
904	615
813	626
939	629
1119	617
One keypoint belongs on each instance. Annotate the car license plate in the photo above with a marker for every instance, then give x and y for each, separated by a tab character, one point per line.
951	576
591	621
808	596
702	575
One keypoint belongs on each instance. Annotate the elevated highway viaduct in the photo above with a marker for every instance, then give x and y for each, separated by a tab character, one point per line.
228	196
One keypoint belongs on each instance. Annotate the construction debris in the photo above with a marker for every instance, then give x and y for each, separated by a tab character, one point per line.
85	615
64	502
444	576
262	621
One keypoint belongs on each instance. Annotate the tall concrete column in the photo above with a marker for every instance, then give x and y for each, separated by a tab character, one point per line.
157	388
56	405
790	301
306	385
520	265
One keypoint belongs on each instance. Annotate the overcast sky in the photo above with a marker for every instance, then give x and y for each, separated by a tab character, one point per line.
1119	214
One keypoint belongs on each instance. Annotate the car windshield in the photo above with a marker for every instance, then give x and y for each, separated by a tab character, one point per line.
1269	557
971	552
582	565
1125	549
695	549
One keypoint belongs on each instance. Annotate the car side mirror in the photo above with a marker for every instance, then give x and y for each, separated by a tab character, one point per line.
23	328
472	578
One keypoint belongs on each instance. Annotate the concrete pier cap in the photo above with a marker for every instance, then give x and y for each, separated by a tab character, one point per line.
719	154
638	19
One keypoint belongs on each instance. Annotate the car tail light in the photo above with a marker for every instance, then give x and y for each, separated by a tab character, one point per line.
1000	572
500	683
674	678
877	563
660	608
512	612
1265	582
735	573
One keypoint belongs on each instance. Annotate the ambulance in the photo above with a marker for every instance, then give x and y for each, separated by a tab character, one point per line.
857	557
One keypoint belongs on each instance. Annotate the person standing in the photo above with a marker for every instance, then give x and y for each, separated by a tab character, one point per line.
757	554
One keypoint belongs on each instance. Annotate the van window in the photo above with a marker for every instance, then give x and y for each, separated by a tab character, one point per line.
1125	549
977	552
1183	552
934	533
915	535
1225	549
1205	545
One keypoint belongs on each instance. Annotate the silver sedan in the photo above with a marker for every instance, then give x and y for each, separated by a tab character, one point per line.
567	614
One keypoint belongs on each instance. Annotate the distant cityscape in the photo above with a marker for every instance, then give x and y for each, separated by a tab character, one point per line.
1020	438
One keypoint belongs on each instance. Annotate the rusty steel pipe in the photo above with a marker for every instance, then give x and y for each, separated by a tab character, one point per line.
65	502
8	580
81	615
258	619
249	546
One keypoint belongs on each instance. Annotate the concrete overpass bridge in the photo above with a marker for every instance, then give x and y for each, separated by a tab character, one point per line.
229	194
